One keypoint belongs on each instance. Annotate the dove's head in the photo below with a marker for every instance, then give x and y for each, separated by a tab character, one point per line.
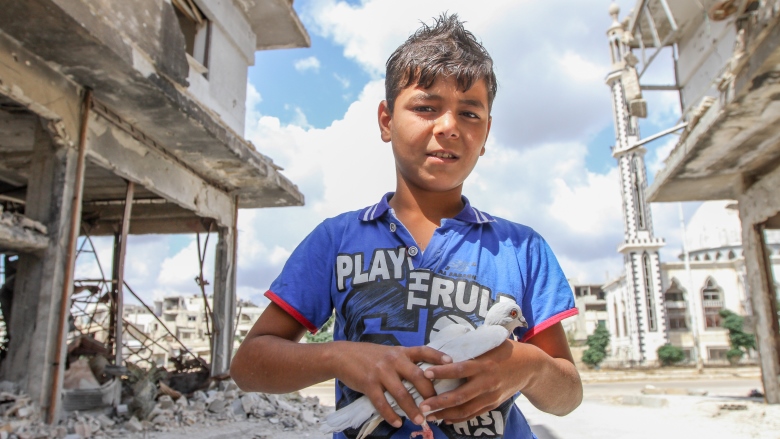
506	314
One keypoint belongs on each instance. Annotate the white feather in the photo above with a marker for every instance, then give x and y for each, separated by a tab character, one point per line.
459	341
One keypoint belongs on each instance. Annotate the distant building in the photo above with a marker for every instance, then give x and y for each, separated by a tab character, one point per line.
185	318
590	300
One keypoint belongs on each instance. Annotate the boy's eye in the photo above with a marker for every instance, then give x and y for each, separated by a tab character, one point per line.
424	109
470	115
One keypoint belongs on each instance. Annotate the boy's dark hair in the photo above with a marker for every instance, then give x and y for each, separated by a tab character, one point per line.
444	49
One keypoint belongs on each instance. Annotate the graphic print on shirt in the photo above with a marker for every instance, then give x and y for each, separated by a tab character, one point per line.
393	304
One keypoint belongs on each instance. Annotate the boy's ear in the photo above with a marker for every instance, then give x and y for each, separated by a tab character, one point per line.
384	117
490	122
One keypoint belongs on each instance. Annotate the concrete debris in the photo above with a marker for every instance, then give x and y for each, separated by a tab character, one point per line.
653	390
15	219
221	405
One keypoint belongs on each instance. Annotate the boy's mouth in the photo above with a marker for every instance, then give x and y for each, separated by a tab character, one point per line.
442	155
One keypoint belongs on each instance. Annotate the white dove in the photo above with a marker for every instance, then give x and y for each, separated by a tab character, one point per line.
461	342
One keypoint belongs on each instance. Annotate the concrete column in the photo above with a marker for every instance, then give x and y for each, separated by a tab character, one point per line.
40	277
224	307
762	297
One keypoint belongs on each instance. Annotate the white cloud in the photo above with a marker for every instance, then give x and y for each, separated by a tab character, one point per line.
552	97
551	58
307	64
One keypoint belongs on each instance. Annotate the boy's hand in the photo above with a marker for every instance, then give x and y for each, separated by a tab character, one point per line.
372	369
491	379
542	368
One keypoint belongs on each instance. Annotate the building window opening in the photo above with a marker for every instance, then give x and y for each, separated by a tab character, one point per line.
649	297
639	199
712	302
197	32
677	320
674	293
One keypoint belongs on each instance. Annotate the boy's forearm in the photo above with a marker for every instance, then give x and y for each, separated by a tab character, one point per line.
556	387
272	364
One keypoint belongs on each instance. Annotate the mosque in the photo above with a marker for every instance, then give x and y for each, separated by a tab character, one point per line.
715	273
654	302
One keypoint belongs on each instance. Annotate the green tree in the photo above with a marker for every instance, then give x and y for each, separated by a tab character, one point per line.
325	334
669	354
597	347
739	340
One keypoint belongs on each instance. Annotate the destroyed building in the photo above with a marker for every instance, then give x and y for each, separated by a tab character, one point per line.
122	118
725	57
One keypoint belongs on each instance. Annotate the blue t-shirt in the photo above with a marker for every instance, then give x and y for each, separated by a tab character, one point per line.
367	266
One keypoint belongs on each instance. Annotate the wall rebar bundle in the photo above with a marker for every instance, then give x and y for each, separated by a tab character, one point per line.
91	316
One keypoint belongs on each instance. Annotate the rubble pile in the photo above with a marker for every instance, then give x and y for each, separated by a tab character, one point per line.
18	220
223	404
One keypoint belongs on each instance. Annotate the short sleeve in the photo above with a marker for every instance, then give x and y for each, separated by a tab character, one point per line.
547	296
303	287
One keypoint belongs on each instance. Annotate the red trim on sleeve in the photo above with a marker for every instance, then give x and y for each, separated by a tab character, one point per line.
549	322
292	311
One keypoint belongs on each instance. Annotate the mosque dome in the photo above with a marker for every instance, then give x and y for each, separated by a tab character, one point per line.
714	225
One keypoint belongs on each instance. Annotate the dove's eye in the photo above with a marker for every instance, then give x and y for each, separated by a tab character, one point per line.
513	314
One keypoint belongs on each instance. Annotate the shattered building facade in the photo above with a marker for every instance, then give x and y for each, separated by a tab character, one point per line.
726	61
122	118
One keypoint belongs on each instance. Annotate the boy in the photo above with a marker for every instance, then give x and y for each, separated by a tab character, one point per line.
422	258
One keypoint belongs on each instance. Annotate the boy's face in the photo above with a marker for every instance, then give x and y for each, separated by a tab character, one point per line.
437	133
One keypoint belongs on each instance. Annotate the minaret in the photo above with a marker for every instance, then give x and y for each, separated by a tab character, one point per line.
645	312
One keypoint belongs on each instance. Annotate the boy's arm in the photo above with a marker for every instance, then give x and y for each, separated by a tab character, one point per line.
271	360
542	369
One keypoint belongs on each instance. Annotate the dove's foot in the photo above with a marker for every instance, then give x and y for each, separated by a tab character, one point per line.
425	433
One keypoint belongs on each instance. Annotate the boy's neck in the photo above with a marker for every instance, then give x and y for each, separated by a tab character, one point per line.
413	205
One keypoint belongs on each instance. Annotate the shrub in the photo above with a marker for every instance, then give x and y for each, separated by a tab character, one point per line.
325	334
739	340
669	354
597	347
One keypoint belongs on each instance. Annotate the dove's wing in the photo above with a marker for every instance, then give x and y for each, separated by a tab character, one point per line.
458	341
474	343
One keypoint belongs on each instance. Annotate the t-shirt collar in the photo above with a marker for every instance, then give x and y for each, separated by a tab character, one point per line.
469	214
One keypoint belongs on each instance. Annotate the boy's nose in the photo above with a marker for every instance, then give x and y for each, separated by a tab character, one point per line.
446	126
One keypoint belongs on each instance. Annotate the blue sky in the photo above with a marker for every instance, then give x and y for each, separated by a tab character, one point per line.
548	162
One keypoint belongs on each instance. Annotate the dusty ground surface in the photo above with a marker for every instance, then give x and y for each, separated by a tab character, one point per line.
614	406
680	404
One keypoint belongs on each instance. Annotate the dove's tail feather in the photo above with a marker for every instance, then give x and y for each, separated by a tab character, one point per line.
350	416
369	427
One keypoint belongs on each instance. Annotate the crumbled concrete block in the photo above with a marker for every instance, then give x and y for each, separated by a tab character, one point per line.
82	429
309	416
249	401
290	422
652	390
237	408
182	402
24	412
105	421
165	402
217	406
286	406
198	396
134	425
122	410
